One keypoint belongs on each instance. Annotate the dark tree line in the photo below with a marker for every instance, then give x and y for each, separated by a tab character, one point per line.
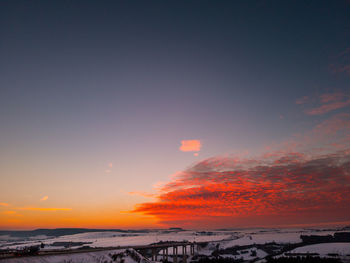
303	260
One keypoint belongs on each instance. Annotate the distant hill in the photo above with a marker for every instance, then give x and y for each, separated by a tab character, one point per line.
62	232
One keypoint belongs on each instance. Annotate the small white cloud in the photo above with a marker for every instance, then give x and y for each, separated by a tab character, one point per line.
44	198
108	171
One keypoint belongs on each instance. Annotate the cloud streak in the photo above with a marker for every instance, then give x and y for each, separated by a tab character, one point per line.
44	209
44	198
143	194
328	107
109	169
325	103
340	68
341	63
11	213
302	100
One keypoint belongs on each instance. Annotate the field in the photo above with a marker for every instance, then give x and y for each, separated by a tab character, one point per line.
239	245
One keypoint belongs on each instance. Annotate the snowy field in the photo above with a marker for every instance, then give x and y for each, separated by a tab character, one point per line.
325	249
247	244
113	239
91	257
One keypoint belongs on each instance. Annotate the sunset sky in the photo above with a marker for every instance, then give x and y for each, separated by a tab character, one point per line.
194	114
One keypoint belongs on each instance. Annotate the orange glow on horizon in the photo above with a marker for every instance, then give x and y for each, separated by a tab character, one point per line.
31	219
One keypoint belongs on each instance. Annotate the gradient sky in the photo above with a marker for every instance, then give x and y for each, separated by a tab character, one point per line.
132	114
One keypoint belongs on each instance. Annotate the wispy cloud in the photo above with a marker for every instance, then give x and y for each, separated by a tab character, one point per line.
44	209
331	97
343	53
44	198
4	204
328	107
143	194
109	169
325	103
190	146
341	63
11	213
302	100
340	68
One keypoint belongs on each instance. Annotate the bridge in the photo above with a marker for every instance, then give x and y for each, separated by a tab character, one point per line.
151	252
155	249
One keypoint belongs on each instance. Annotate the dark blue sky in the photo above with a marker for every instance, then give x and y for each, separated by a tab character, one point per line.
241	56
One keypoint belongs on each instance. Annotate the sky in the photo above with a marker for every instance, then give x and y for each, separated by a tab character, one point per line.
156	114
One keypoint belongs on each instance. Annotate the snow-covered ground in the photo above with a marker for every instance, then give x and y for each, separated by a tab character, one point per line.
114	239
338	250
253	239
278	236
91	257
246	254
324	249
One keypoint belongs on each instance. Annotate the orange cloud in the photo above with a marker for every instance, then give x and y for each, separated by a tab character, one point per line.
143	194
11	213
285	189
44	198
190	146
4	204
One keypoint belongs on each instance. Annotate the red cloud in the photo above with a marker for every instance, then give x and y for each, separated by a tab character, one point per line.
226	192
